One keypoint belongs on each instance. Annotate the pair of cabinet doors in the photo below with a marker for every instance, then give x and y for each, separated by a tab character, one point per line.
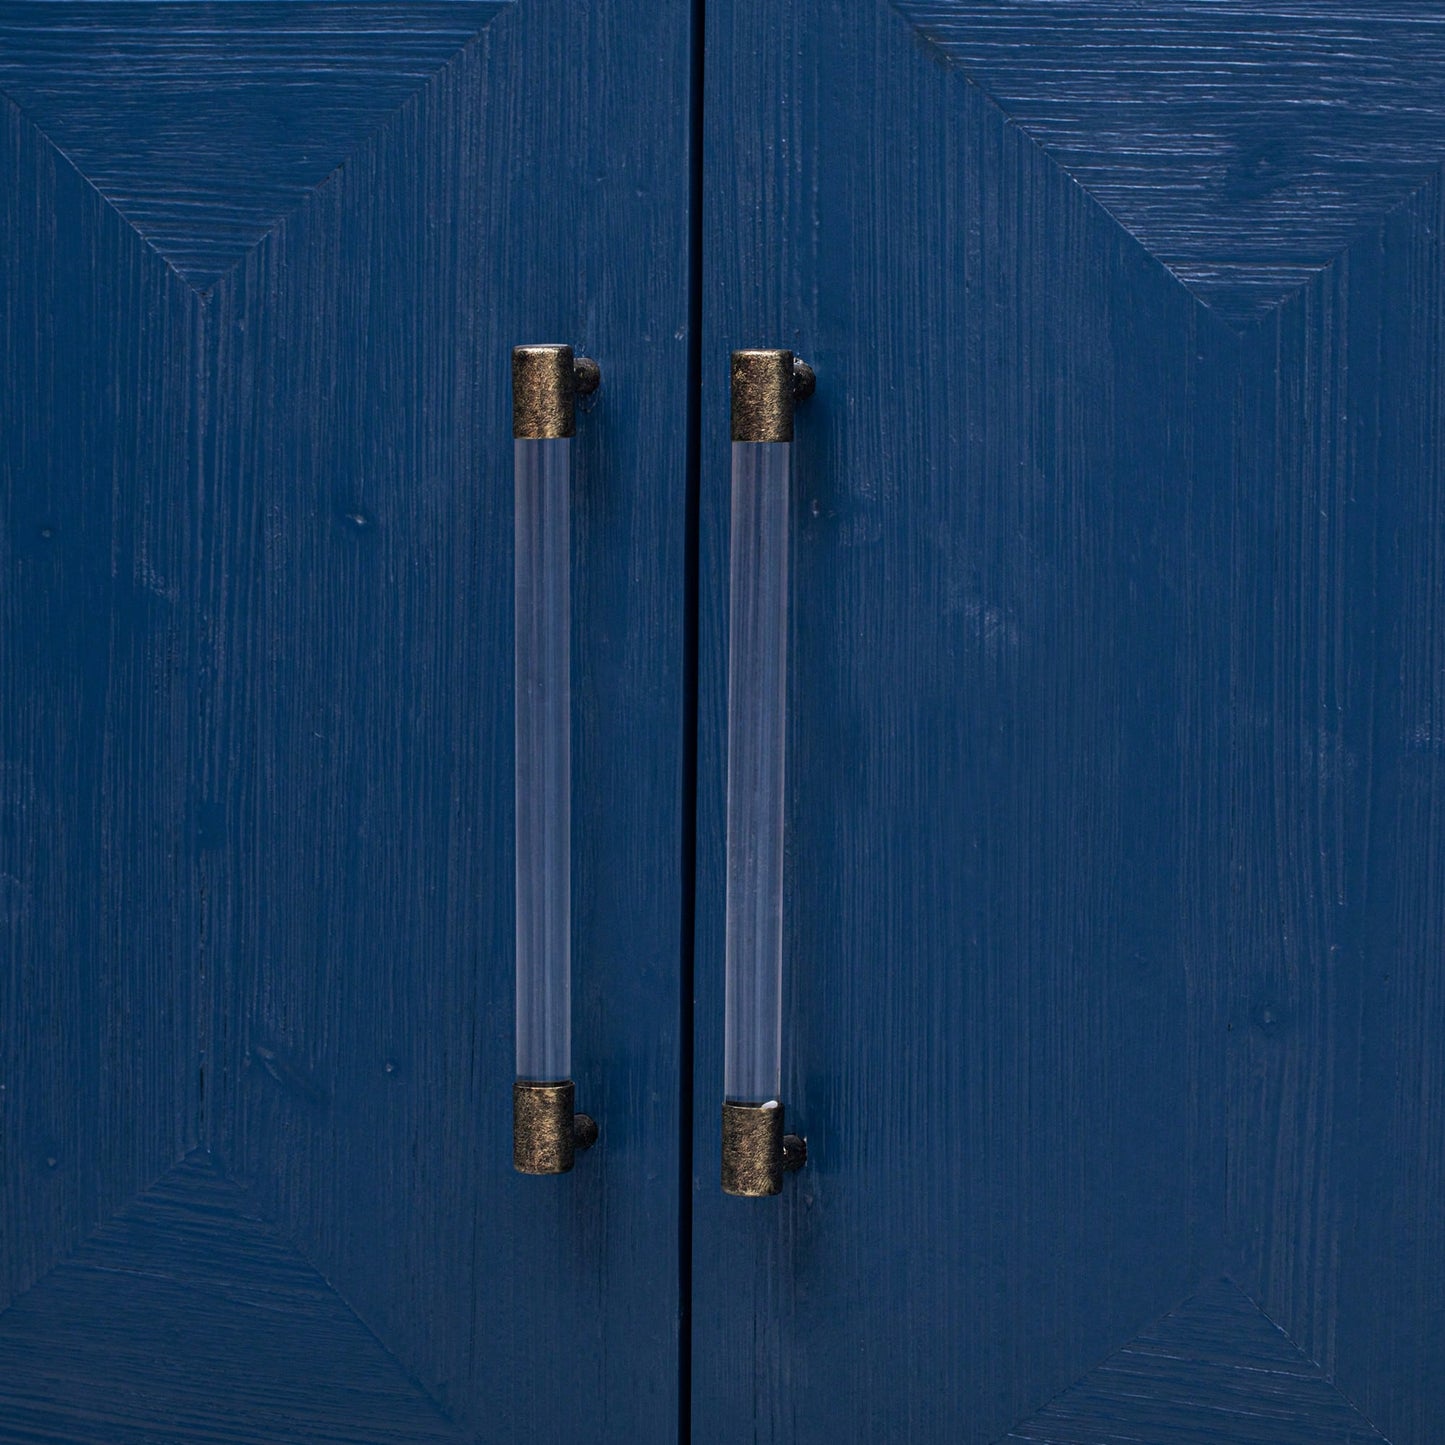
1115	1012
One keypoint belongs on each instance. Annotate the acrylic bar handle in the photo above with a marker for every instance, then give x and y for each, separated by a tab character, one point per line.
546	1130
755	1151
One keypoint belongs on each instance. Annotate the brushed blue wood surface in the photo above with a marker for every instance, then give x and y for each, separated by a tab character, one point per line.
1114	892
204	127
1011	576
256	700
1244	142
188	1298
1214	1368
1337	1000
98	995
1112	886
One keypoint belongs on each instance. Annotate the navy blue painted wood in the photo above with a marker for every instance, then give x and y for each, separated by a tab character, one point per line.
152	1323
148	101
99	1004
1114	789
1214	1368
255	711
1337	1002
1246	143
1114	896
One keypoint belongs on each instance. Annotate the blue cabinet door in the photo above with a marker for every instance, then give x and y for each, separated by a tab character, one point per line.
1116	799
261	268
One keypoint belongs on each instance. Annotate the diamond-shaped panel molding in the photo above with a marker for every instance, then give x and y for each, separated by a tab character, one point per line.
188	1319
1245	143
203	124
1215	1371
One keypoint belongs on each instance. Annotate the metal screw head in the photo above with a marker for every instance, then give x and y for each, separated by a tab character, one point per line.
586	376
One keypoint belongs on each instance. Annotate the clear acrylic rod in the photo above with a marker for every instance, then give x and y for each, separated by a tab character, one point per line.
543	759
757	728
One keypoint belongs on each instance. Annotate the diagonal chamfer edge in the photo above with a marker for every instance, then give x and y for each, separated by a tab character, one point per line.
202	259
1238	294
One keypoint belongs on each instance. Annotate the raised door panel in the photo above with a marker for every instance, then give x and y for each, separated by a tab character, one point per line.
1111	1018
264	264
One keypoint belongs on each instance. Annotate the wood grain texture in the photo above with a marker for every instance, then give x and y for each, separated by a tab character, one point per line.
1338	1006
261	893
98	994
190	1298
360	900
204	126
1005	888
1214	1368
1114	885
1244	143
